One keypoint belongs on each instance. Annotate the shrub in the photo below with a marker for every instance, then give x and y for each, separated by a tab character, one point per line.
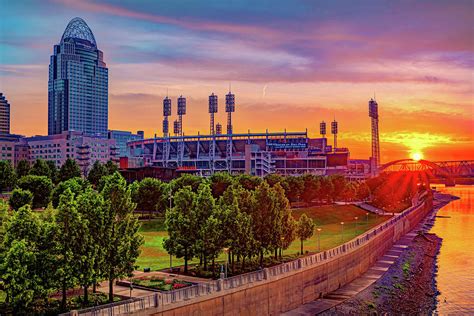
20	198
40	186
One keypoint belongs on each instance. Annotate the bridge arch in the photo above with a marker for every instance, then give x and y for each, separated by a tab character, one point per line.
407	164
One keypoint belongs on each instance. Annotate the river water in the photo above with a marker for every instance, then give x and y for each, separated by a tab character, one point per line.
455	279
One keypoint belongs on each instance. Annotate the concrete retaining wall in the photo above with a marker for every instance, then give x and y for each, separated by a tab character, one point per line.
289	290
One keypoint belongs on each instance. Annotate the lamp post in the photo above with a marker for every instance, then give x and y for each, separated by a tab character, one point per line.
281	246
171	256
356	223
319	238
226	251
342	232
367	215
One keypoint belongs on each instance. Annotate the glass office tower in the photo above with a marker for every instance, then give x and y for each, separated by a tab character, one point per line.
78	84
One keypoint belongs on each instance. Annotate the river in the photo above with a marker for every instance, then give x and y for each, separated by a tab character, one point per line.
455	279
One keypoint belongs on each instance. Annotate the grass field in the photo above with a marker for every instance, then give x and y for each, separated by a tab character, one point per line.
328	218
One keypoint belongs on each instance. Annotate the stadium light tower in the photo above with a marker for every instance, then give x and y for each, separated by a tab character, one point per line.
374	120
181	112
229	108
212	143
166	144
334	131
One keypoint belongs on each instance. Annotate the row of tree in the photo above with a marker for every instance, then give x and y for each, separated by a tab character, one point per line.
247	221
89	236
9	176
38	189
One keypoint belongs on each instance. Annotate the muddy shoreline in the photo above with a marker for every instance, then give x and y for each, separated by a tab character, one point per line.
409	286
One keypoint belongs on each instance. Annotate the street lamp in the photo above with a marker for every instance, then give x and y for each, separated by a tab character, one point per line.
342	231
281	246
367	215
171	256
319	239
226	251
356	219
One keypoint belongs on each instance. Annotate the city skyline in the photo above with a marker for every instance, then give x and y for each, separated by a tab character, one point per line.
296	61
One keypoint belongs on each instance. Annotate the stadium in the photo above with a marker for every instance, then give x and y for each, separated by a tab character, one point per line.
288	153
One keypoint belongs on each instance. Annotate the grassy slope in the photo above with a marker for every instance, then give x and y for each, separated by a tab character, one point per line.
326	217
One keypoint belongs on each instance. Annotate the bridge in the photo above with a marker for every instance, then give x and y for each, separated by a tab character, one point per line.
448	172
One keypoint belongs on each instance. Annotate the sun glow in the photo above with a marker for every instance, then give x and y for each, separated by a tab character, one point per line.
417	156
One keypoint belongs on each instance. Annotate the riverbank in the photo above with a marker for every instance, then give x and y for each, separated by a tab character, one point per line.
409	285
407	288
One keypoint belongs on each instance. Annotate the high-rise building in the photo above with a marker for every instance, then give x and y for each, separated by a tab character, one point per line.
122	138
4	115
78	84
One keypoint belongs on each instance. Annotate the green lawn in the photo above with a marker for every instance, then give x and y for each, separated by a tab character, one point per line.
328	218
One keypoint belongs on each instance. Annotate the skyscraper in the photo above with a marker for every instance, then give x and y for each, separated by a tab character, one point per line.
4	115
78	84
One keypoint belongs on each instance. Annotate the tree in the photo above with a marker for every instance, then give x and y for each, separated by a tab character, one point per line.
220	181
111	167
203	207
19	264
339	184
19	285
285	236
91	206
243	242
273	178
305	229
71	230
150	195
211	239
180	226
289	232
40	186
40	168
311	186
293	187
20	198
3	220
96	173
7	175
266	218
70	169
362	191
76	185
22	168
122	238
248	182
326	190
186	180
53	171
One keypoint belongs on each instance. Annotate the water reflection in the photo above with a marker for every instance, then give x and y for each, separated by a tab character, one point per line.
456	259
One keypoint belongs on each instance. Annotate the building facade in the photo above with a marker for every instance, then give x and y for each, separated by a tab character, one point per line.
288	153
85	149
4	115
13	148
78	84
122	138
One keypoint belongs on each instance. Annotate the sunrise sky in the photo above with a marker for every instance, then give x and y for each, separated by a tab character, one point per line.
291	64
